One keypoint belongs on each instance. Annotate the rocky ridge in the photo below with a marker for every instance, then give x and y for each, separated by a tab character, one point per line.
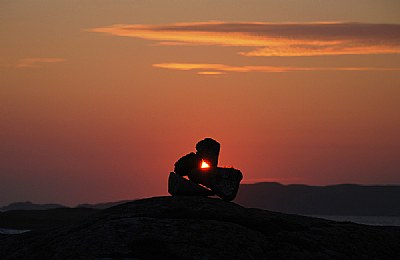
190	227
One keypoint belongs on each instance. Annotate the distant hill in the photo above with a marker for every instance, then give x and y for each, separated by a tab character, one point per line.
201	228
27	205
104	205
345	199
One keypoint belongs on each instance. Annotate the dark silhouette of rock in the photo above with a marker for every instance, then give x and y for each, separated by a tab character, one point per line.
208	149
187	163
177	185
227	181
205	177
223	182
40	219
193	227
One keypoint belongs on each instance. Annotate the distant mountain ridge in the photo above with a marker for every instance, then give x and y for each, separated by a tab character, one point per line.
343	199
103	205
27	205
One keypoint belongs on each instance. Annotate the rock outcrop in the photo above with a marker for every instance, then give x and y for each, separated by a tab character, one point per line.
205	177
193	227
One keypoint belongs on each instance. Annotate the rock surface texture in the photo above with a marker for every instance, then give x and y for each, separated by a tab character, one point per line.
193	227
177	185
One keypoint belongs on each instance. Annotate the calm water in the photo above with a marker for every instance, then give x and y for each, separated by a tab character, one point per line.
367	220
12	231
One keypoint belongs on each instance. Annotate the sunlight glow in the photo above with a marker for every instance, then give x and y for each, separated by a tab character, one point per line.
204	165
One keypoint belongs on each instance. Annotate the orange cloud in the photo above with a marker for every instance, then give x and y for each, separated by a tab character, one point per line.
207	69
272	39
36	62
210	72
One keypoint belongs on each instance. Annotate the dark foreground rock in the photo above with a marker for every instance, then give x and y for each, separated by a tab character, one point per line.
177	185
202	228
43	219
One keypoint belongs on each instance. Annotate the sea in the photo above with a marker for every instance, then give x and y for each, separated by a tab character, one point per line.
8	231
366	220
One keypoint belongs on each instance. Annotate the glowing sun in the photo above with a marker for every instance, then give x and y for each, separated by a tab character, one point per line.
204	165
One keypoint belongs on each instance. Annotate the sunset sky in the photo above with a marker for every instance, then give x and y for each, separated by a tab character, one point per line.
99	98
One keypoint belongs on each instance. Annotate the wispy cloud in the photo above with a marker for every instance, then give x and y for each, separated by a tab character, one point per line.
36	62
210	72
207	69
272	39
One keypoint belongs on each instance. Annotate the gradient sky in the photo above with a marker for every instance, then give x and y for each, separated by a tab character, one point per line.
98	99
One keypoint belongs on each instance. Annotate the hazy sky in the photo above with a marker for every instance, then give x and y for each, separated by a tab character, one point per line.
99	98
